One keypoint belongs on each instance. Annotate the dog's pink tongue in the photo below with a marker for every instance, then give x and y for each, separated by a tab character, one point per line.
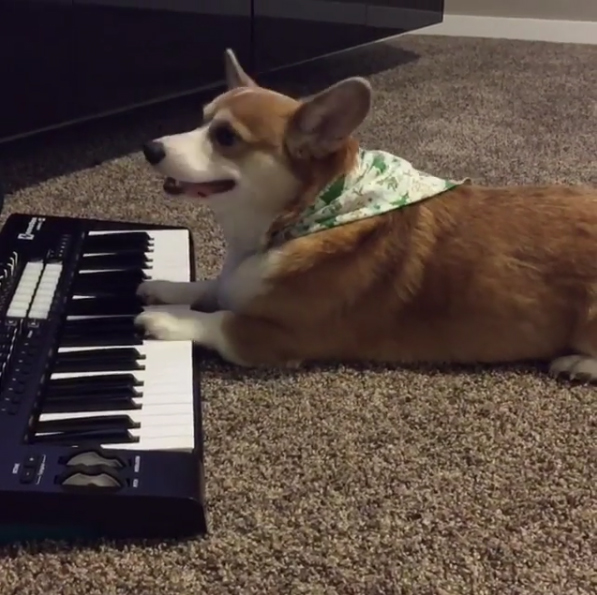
208	188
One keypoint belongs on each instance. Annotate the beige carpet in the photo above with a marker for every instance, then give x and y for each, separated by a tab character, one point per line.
340	481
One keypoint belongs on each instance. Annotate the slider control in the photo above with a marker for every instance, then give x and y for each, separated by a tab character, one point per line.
92	458
101	480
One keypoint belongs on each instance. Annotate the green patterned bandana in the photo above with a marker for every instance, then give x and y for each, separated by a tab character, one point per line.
379	183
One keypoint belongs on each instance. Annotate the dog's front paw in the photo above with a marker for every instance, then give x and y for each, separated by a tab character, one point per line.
162	292
165	326
575	367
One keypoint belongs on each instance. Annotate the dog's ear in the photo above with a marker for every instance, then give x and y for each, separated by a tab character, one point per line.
325	121
235	75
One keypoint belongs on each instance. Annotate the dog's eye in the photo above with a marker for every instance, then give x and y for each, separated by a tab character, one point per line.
224	135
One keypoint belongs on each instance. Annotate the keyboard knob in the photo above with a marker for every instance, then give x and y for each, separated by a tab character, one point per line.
101	480
92	458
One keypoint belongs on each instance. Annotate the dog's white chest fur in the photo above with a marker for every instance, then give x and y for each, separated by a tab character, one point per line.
243	281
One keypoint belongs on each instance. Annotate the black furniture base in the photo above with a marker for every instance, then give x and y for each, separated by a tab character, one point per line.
67	60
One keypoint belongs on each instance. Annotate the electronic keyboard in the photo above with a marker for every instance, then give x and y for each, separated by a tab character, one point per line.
100	428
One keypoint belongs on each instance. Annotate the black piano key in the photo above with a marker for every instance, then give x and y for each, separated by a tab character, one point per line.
79	397
112	280
92	329
117	365
116	242
109	306
86	394
125	251
125	270
108	325
115	236
121	352
99	360
77	325
105	292
120	275
84	424
134	337
94	383
108	428
90	437
136	248
94	262
116	402
111	353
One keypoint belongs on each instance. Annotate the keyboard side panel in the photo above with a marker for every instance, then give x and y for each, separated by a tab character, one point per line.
165	486
158	497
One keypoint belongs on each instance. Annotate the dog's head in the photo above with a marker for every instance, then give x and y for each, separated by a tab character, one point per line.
261	151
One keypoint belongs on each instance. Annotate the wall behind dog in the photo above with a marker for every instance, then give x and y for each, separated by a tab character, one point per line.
569	10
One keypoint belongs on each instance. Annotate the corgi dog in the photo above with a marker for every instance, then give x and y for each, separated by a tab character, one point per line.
338	253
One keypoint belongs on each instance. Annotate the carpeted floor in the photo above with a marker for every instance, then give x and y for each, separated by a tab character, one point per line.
339	481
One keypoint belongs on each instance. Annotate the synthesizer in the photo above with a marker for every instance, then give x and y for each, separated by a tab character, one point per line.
100	427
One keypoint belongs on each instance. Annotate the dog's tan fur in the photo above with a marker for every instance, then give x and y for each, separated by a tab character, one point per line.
477	274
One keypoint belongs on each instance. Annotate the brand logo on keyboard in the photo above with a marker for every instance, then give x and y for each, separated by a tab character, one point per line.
32	228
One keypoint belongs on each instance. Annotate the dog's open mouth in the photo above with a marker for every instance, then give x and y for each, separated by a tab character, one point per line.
202	190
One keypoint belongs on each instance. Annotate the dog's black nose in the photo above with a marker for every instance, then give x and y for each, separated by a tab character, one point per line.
154	151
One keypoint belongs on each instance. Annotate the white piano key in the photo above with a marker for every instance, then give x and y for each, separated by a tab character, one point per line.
158	431
167	394
171	260
150	413
170	255
167	405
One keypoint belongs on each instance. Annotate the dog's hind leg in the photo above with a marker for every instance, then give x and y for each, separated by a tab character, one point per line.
582	365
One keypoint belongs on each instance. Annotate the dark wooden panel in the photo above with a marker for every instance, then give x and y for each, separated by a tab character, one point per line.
129	54
36	65
70	59
291	31
390	17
